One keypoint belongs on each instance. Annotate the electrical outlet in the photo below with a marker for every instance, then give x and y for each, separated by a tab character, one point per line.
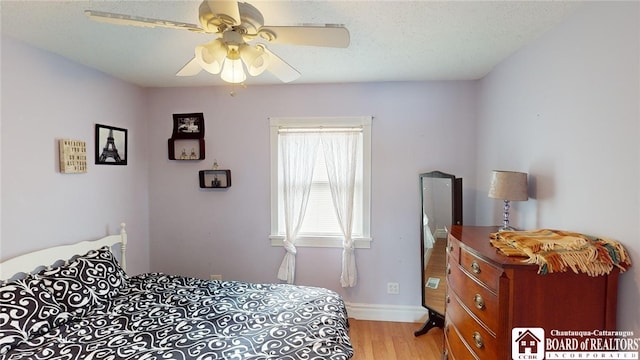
216	277
393	288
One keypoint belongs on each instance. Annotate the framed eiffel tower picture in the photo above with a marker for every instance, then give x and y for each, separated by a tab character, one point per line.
111	145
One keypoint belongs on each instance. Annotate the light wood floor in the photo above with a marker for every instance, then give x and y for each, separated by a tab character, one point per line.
437	268
383	340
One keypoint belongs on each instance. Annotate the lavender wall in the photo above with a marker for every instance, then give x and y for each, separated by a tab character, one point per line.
565	109
417	127
46	98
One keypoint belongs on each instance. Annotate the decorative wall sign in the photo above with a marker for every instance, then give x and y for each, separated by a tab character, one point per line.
188	126
73	156
111	145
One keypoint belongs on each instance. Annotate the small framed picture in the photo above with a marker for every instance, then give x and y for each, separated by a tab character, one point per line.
188	126
111	145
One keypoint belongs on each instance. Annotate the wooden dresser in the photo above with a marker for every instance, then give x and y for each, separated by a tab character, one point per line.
489	294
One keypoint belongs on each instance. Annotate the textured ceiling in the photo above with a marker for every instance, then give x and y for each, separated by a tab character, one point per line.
390	40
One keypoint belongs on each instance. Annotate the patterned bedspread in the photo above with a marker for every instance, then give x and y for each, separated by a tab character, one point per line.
158	316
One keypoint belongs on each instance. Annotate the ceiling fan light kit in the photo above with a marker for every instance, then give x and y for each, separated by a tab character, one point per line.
228	56
211	55
255	58
237	24
216	56
232	70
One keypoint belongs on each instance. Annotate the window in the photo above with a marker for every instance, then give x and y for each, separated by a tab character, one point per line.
320	226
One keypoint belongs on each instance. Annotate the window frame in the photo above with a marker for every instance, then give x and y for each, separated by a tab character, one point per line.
276	123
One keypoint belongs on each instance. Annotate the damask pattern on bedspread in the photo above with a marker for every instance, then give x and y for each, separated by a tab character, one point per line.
158	316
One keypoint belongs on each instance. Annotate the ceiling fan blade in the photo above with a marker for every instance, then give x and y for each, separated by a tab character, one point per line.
226	10
278	67
312	35
190	69
121	19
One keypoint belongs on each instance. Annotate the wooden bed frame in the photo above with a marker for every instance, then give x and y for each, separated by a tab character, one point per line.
30	262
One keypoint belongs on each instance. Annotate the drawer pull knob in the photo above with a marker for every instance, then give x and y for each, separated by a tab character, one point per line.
475	267
479	301
450	248
448	269
477	339
448	299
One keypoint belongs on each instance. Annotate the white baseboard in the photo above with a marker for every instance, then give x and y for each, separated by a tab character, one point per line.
381	312
442	233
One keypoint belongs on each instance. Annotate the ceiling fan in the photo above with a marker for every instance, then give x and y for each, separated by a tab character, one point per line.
236	25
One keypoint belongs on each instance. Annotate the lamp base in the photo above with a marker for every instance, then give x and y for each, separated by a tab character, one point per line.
505	218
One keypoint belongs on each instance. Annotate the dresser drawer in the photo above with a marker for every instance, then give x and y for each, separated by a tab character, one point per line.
455	348
453	248
447	354
476	297
472	334
480	269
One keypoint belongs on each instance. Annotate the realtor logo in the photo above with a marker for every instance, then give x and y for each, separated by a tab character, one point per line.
527	343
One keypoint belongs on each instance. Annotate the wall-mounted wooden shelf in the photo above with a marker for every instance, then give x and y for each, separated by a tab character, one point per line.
215	179
186	149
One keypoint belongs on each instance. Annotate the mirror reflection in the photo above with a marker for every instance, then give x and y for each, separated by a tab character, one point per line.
441	207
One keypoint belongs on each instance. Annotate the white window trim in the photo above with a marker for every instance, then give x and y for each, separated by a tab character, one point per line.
350	121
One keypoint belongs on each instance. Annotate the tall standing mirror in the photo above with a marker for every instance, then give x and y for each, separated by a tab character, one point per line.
441	198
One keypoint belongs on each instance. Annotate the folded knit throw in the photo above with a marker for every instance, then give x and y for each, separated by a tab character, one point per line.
558	251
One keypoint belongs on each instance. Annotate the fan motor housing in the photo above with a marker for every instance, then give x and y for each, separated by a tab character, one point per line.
251	20
213	22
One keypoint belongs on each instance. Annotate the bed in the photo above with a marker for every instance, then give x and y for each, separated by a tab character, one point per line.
86	306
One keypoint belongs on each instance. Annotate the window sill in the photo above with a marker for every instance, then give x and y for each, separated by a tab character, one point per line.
321	241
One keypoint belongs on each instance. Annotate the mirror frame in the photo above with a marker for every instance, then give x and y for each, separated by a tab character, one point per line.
436	319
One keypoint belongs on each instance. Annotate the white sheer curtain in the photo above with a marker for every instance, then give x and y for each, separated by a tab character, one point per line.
429	239
341	156
298	155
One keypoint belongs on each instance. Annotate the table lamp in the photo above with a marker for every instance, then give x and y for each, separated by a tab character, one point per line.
508	186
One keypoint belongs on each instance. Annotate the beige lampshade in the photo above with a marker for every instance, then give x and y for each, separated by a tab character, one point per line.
508	185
